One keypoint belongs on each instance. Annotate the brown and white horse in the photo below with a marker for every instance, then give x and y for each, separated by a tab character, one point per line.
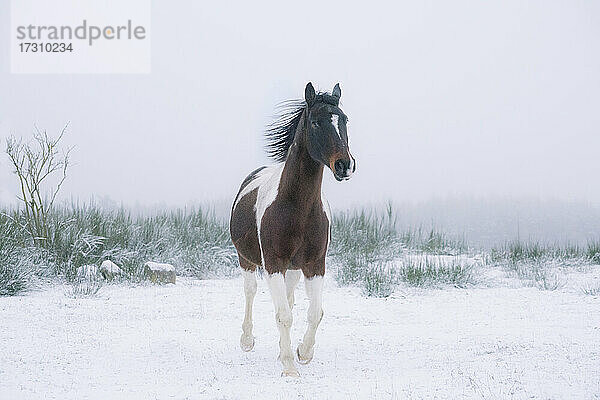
280	220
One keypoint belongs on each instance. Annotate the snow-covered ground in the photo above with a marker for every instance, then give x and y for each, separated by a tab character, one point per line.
181	342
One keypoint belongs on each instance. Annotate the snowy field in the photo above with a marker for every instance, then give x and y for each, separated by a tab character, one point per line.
492	341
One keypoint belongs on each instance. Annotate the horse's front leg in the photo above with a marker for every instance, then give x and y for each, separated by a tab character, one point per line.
283	317
314	291
292	277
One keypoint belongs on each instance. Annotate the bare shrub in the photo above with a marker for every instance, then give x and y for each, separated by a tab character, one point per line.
35	167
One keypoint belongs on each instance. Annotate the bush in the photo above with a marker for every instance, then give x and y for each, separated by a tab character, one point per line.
34	165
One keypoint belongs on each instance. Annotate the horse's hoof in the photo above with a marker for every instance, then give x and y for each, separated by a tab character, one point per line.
247	342
291	373
304	360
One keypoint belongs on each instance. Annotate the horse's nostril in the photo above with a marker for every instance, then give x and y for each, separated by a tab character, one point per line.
339	166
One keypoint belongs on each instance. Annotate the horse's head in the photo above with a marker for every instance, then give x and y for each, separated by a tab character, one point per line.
327	134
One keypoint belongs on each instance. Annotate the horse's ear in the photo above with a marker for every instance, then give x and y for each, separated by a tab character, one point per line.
337	92
309	93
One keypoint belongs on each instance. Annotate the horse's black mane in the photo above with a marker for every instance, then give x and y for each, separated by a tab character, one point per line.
280	133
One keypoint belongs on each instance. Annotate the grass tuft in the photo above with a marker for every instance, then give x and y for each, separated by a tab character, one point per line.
540	274
593	251
83	288
379	281
15	276
591	290
427	271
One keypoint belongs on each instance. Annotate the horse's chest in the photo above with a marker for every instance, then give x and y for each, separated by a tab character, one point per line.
300	237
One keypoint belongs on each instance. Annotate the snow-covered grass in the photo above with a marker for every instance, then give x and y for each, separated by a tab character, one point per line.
434	270
194	241
591	290
544	266
181	342
16	266
15	274
544	275
368	249
519	251
83	287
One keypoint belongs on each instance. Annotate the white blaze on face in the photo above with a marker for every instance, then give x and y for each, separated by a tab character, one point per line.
335	119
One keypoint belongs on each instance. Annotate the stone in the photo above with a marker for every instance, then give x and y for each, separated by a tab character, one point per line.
159	273
110	270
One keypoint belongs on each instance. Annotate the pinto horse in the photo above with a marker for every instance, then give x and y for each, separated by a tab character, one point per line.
281	221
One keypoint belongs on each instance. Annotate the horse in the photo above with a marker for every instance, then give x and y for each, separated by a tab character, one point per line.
280	220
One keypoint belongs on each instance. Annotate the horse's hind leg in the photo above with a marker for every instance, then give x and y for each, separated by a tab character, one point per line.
314	291
291	280
249	273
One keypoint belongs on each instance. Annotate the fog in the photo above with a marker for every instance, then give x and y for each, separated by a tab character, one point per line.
445	99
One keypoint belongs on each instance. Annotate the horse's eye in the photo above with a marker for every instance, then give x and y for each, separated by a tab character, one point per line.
315	124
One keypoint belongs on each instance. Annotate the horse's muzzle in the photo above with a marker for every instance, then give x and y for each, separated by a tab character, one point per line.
344	168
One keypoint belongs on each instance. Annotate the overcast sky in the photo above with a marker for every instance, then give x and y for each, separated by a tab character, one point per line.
444	98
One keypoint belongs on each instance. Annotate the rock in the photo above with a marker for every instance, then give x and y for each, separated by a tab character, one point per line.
110	270
159	273
88	272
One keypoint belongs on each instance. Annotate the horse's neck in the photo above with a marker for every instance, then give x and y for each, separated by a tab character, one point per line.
302	176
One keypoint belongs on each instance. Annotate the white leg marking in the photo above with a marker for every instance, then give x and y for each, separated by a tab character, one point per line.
291	280
314	291
247	339
283	317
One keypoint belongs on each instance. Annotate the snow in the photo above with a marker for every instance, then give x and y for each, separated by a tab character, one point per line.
154	266
182	341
